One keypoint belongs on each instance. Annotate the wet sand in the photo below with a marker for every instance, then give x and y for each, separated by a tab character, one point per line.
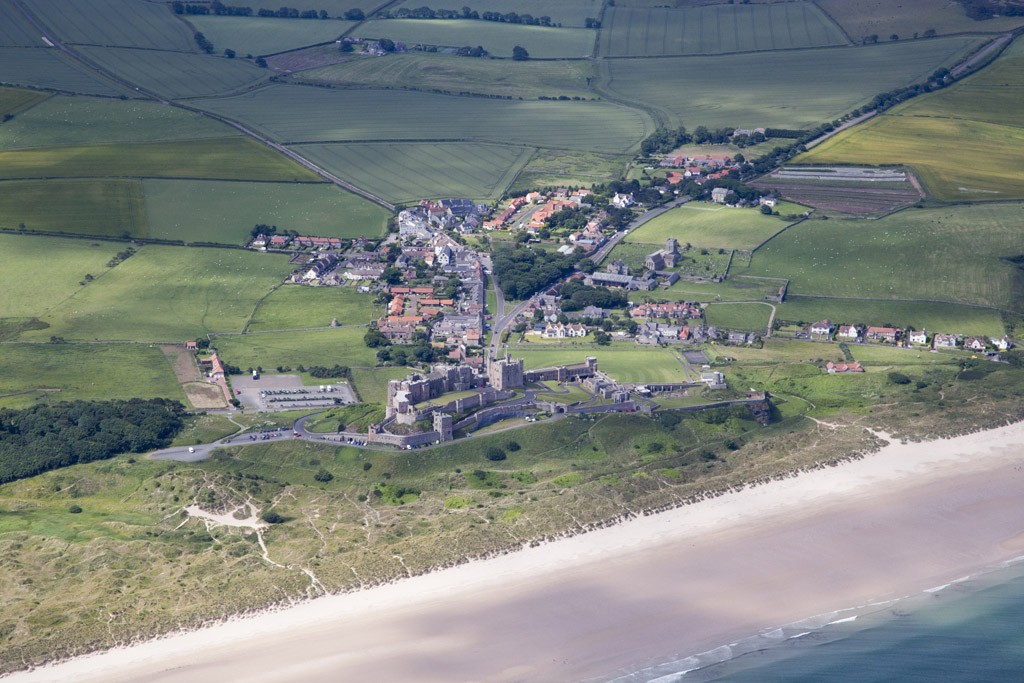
613	601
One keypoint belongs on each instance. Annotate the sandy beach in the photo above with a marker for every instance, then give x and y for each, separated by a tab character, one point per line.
908	518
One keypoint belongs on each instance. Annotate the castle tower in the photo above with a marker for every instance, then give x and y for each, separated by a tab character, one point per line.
505	373
443	426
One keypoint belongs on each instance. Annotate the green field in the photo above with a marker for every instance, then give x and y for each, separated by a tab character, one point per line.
265	36
495	37
743	317
956	254
372	383
565	12
342	345
771	89
64	121
176	75
979	116
732	289
716	29
905	18
454	75
50	70
163	293
406	172
947	318
698	261
625	362
293	307
125	23
386	115
14	30
30	373
227	158
559	168
14	101
223	211
88	207
710	225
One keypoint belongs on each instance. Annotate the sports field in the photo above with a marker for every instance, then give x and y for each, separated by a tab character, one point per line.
87	207
177	75
294	307
716	29
164	294
710	225
905	18
125	23
15	100
49	69
388	115
565	12
222	211
742	317
956	254
625	362
65	120
343	346
772	89
979	117
405	172
943	317
495	37
230	158
454	75
263	36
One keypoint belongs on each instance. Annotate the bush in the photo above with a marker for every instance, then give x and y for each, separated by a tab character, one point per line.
272	517
495	454
323	475
898	378
74	509
512	446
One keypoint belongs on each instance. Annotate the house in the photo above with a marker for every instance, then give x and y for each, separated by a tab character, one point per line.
944	341
974	344
1001	344
821	329
834	368
886	334
918	337
622	201
768	200
563	331
850	332
618	267
191	346
720	194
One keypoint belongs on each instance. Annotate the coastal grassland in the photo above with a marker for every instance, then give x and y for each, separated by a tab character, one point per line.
496	37
752	317
215	211
200	429
126	23
233	158
15	100
51	70
260	36
716	29
64	121
770	89
393	116
14	30
164	293
455	75
626	362
88	207
177	75
957	256
863	18
38	273
934	317
343	346
406	172
978	116
558	168
30	373
372	383
292	307
710	225
565	12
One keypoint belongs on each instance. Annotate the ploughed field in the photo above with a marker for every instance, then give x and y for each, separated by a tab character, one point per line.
848	190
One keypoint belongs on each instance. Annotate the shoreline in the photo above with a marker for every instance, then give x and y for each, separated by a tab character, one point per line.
600	604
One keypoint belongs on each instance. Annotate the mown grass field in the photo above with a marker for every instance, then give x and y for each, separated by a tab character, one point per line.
495	37
771	90
387	115
744	317
49	69
343	345
177	75
64	121
451	74
905	18
732	289
165	294
15	100
558	168
565	12
88	207
31	373
709	225
625	361
265	36
223	211
227	158
124	23
935	317
293	307
716	29
406	172
956	256
979	116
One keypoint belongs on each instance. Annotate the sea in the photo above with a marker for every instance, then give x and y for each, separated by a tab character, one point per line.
968	631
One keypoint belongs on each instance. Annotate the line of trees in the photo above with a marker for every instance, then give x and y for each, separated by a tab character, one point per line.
223	10
335	372
470	13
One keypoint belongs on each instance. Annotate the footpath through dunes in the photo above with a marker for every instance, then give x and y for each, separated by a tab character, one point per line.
978	118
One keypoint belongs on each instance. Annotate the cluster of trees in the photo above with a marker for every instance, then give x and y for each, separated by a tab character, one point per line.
664	140
204	44
986	9
122	255
523	272
46	437
335	372
223	10
519	54
577	296
420	351
470	13
570	218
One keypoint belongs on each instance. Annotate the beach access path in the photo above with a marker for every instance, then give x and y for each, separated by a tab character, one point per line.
906	519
